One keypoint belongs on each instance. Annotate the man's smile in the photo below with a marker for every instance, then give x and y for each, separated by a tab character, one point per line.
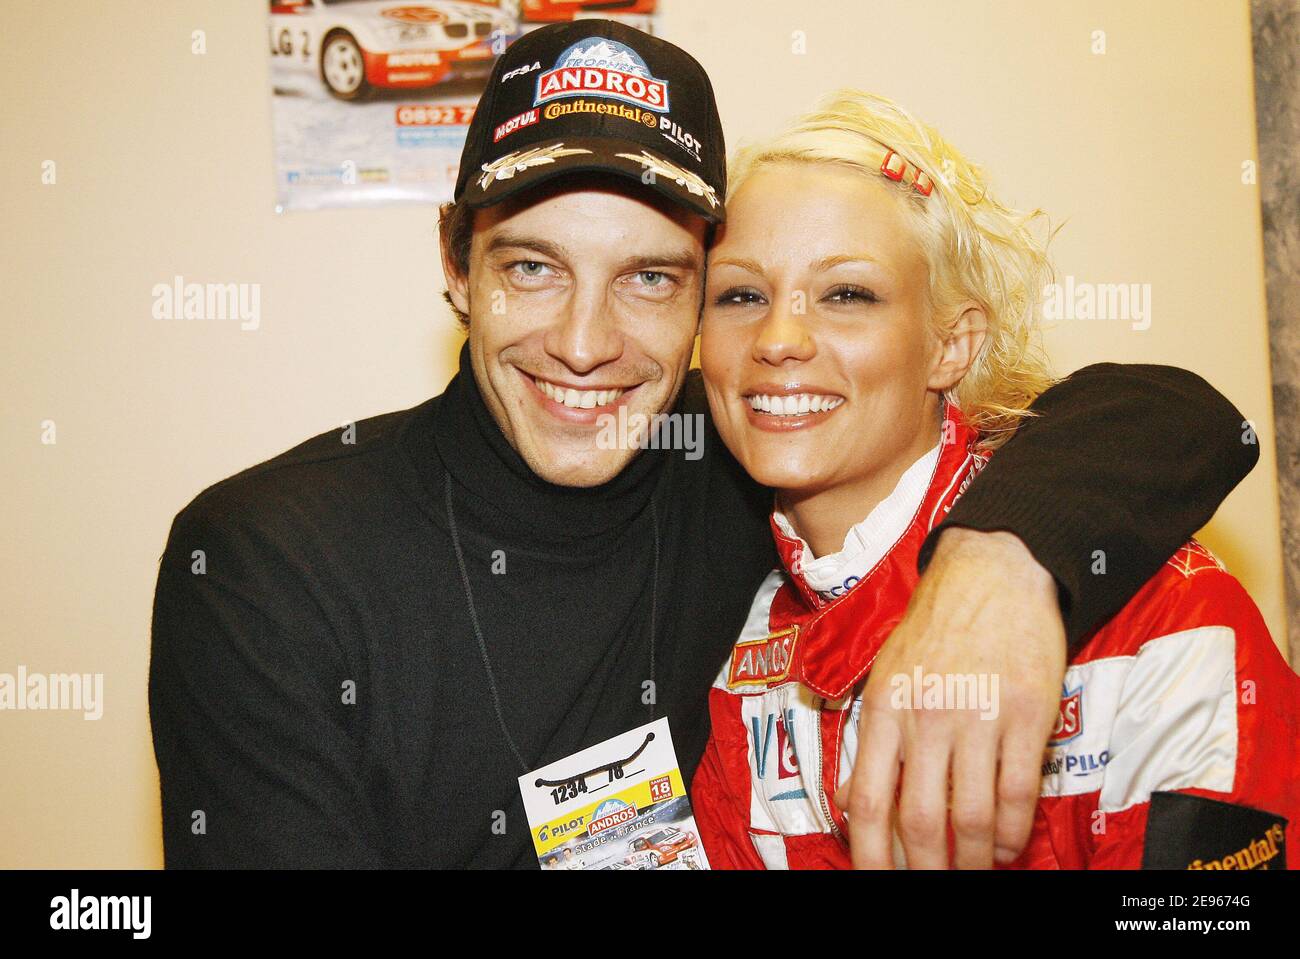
576	403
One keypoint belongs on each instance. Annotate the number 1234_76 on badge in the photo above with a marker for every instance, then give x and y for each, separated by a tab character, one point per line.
620	804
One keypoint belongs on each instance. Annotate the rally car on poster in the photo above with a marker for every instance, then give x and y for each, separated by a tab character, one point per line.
358	46
549	11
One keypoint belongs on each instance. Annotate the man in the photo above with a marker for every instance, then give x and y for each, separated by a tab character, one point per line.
571	861
383	635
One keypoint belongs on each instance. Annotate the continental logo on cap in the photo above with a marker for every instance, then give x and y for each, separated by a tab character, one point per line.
635	114
1259	854
762	662
603	68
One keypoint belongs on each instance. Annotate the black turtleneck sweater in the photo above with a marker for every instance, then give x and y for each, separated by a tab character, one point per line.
317	692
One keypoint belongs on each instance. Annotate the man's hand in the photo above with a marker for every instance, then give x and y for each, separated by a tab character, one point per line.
984	606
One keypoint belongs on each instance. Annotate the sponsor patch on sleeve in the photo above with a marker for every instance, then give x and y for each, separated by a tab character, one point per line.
1192	832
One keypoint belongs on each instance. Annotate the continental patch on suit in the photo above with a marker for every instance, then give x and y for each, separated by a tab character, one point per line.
1192	832
762	662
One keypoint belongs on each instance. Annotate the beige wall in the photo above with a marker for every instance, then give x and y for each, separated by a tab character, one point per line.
163	168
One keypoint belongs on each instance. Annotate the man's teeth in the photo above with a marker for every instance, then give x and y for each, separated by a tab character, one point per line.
795	405
577	399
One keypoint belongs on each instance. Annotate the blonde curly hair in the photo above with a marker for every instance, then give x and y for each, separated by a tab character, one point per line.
977	248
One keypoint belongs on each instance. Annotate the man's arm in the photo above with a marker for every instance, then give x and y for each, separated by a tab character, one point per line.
251	731
1120	467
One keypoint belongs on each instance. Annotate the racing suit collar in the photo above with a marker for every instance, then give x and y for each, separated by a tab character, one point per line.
840	635
822	579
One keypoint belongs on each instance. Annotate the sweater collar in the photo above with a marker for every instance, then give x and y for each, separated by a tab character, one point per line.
507	495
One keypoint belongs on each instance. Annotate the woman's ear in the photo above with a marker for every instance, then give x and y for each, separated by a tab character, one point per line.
958	351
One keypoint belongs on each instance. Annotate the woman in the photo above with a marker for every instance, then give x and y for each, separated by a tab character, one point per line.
869	338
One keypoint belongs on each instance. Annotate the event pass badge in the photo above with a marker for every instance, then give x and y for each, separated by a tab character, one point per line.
620	804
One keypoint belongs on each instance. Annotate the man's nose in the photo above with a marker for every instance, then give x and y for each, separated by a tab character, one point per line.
783	334
587	333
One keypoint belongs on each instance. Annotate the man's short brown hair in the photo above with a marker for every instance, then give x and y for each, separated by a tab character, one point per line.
456	233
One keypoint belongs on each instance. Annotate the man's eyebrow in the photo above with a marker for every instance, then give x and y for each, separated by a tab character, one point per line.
676	259
519	241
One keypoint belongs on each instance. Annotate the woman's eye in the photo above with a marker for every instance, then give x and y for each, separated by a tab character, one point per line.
738	296
851	294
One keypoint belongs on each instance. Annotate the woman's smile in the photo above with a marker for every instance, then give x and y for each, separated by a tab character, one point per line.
790	406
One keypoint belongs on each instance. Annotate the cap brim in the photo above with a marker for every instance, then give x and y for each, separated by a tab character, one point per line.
525	168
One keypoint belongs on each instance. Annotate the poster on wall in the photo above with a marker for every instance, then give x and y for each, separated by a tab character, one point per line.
371	99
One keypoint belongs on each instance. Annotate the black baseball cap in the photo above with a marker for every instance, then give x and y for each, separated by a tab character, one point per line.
600	96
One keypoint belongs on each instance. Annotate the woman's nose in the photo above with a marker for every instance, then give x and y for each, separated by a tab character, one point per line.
783	334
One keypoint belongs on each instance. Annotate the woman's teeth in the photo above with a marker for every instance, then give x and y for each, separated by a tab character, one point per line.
799	404
577	399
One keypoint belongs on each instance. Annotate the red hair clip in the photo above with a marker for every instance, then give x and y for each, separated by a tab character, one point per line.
898	170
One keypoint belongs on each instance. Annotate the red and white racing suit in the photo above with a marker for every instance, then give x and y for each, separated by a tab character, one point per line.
1177	744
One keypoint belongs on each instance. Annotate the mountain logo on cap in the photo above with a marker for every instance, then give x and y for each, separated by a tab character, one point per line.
604	53
603	68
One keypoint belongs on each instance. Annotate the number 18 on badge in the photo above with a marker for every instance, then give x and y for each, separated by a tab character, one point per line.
620	804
